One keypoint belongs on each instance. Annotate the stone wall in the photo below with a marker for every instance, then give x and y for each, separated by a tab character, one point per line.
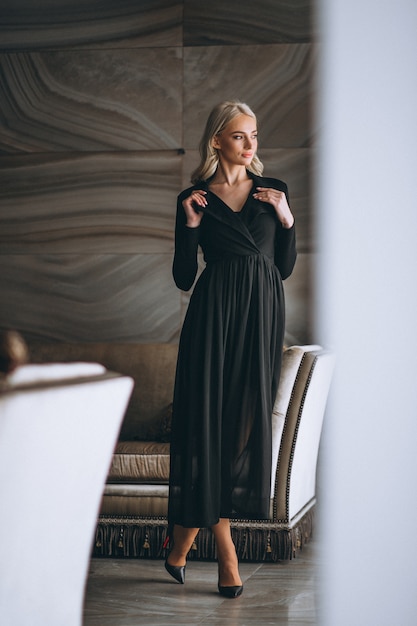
102	105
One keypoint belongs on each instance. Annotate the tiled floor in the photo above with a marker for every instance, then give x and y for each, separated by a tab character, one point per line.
135	592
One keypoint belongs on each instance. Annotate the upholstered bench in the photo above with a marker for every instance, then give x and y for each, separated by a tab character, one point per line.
134	506
136	484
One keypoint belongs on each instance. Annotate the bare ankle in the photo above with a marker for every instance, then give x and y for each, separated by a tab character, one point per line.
229	569
183	539
177	558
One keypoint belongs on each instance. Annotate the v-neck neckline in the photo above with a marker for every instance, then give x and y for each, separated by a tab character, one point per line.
229	207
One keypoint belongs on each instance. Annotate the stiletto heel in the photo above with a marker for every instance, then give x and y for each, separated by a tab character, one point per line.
231	592
177	572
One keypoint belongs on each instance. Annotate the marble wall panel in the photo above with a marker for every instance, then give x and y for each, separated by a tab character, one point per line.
299	299
111	298
91	100
275	80
246	22
89	203
31	24
96	100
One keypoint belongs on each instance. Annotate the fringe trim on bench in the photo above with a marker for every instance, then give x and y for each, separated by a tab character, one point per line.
253	543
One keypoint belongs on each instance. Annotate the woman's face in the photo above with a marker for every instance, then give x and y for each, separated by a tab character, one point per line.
237	143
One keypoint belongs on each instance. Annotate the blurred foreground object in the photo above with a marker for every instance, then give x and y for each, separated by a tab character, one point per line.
13	351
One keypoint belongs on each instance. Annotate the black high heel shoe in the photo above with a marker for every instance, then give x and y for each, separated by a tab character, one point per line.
177	572
231	592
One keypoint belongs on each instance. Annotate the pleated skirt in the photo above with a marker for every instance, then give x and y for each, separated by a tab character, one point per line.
227	375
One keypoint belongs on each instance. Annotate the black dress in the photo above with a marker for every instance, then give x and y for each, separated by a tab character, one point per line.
229	359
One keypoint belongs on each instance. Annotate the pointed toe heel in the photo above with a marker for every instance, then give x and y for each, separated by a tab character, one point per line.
231	592
176	572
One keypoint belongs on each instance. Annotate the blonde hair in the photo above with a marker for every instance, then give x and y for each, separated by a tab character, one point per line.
219	118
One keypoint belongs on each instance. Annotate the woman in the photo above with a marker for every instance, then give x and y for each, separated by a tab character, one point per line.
230	348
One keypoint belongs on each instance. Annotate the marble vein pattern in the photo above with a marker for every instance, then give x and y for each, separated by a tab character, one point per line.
266	21
298	289
82	298
30	24
91	100
97	102
84	203
275	80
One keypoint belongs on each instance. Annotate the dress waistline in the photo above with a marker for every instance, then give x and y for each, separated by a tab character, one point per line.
236	257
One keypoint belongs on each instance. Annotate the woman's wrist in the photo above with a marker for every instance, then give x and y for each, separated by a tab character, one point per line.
288	222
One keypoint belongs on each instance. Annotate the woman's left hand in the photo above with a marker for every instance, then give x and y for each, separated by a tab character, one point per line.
278	200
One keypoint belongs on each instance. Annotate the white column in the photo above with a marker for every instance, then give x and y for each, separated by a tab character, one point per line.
367	309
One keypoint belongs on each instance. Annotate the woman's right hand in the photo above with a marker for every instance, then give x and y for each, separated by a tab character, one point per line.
194	216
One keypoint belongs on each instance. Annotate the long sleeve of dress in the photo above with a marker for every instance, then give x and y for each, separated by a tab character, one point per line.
285	251
185	263
285	241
